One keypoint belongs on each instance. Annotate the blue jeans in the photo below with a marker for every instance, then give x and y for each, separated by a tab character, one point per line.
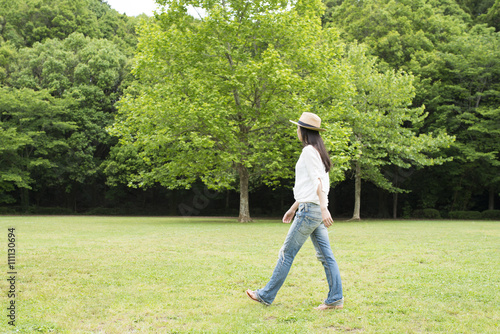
307	222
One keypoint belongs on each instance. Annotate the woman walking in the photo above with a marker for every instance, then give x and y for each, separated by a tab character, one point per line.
312	219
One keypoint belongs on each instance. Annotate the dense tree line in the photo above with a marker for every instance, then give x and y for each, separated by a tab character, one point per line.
455	57
410	88
63	66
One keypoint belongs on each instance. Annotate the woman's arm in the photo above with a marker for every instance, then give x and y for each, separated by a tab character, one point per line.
325	214
287	218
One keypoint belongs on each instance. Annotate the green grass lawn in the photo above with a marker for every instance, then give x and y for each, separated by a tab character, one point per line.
189	275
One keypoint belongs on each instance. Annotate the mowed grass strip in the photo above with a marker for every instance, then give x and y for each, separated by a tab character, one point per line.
188	275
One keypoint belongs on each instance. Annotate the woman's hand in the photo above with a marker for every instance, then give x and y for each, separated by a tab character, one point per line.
327	217
287	218
325	214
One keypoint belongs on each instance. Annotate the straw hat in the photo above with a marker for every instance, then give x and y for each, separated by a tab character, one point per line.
309	121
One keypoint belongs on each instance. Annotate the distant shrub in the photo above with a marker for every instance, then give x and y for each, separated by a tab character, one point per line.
36	210
4	210
476	215
406	214
120	211
491	214
100	211
52	210
427	214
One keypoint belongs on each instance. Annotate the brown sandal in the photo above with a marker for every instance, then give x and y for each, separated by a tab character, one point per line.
249	294
329	307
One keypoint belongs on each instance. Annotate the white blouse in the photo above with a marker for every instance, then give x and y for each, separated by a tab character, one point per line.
309	170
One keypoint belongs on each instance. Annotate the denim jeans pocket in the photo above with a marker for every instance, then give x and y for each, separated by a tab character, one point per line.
309	224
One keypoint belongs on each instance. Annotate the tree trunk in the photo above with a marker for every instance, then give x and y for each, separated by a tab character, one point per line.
491	202
357	193
244	216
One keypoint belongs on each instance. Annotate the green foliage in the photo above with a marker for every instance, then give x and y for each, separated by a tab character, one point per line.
54	47
384	123
491	214
88	72
399	31
455	64
26	22
426	214
476	8
77	51
465	215
466	104
50	211
34	126
213	97
7	56
11	174
492	17
100	211
7	210
123	161
337	140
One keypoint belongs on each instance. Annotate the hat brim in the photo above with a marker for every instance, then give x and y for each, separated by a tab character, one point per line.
307	127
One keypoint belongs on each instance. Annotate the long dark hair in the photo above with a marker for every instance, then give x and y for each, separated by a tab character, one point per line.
312	137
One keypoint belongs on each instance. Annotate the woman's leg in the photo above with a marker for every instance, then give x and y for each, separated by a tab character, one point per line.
324	254
300	230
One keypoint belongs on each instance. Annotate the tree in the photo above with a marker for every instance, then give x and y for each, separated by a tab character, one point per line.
454	65
492	17
384	124
467	100
26	22
57	47
89	72
398	32
476	8
35	127
7	55
11	174
214	96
